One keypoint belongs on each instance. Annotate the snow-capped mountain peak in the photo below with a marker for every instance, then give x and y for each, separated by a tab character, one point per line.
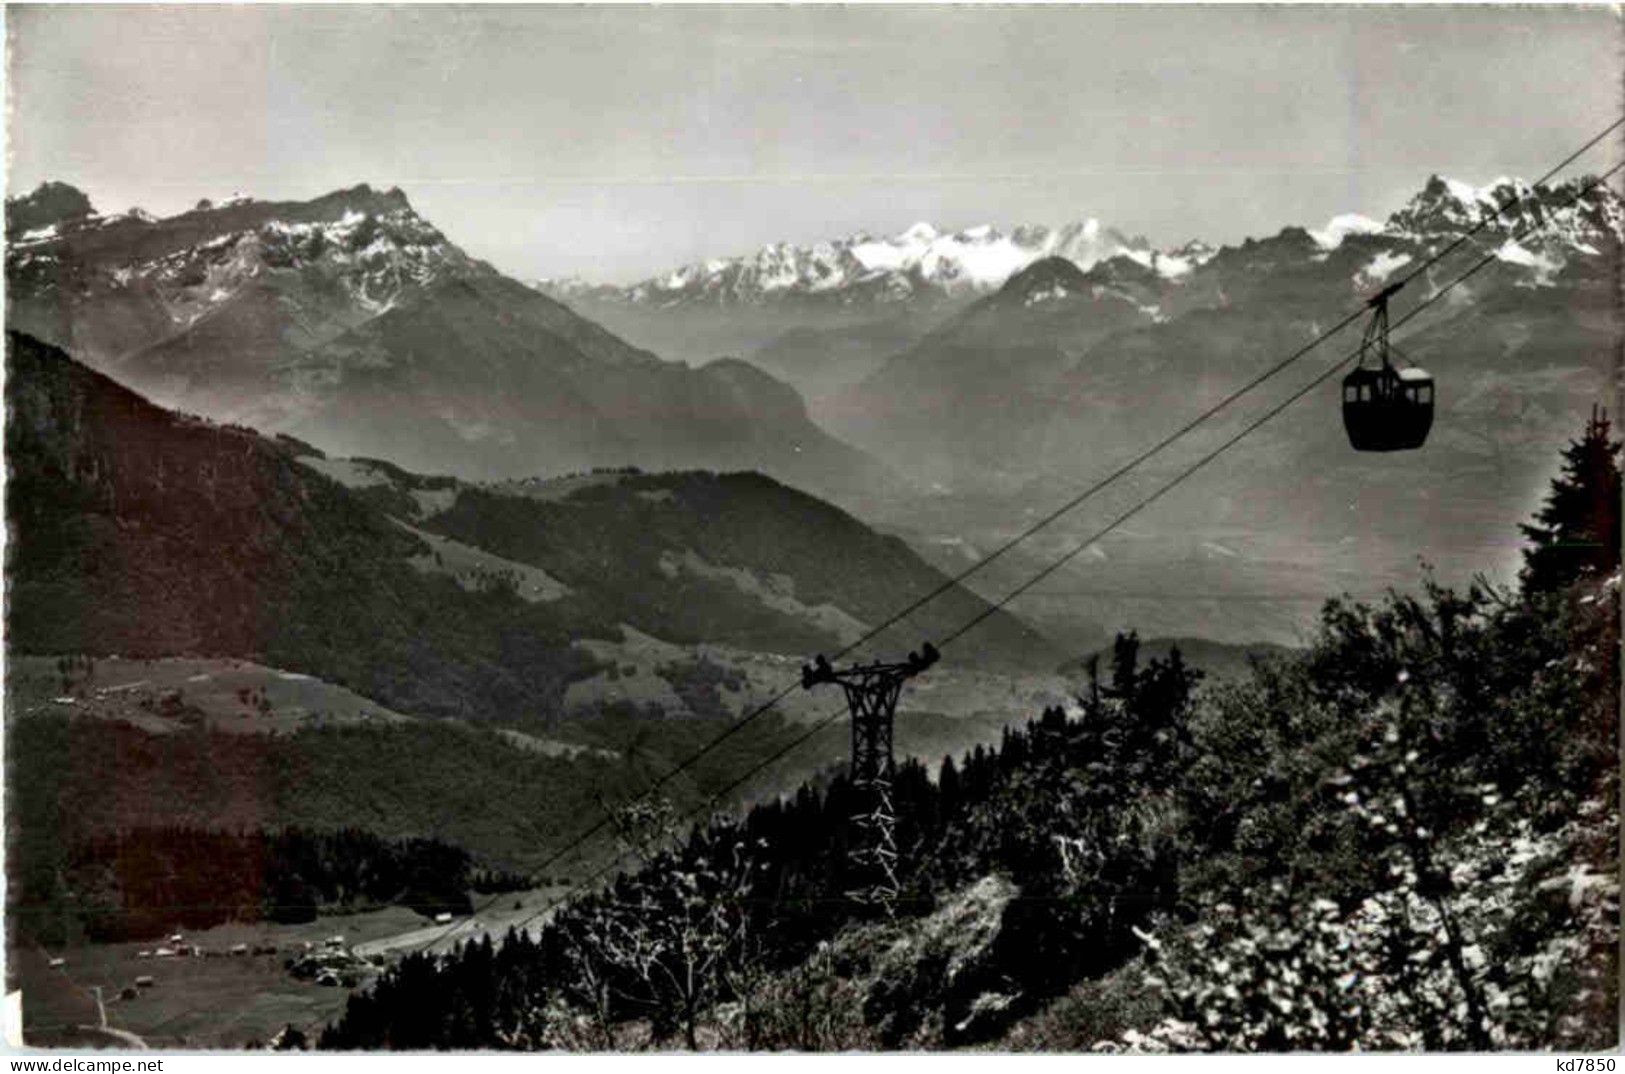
1450	205
1445	203
48	205
1557	223
1340	227
921	261
366	245
922	232
925	263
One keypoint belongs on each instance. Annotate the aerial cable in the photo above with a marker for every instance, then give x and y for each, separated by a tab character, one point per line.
1232	441
1140	506
1099	486
715	799
1117	474
1014	594
1077	500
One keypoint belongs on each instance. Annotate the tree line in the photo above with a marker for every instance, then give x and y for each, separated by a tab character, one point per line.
142	883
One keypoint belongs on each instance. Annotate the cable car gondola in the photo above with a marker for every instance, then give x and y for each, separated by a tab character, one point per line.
1385	409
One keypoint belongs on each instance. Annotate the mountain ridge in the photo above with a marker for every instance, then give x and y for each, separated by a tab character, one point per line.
922	263
918	264
1074	386
1117	305
827	333
143	532
351	322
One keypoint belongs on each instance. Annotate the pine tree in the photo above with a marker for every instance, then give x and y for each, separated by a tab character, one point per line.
1577	531
948	790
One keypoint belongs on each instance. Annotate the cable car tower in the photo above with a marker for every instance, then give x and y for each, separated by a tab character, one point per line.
871	696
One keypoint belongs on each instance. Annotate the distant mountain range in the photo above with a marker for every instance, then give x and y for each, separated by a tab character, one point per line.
351	322
922	263
821	316
1064	362
918	264
825	316
1006	401
1029	395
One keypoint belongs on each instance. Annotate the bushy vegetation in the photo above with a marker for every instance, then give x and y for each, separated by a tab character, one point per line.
141	883
699	683
761	896
1408	838
1404	837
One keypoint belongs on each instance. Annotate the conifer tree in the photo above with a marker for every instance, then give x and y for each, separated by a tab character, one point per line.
1577	531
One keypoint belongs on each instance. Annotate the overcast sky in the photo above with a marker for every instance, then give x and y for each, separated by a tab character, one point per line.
614	142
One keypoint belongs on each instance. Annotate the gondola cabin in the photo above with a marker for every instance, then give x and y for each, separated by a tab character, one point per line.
1387	409
1384	408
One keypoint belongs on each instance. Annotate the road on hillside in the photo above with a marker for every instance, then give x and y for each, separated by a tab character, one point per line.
122	1036
442	938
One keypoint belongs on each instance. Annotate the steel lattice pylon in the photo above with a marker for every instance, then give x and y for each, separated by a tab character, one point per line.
871	696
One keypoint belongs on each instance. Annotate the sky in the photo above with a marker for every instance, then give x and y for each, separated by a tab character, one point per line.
615	142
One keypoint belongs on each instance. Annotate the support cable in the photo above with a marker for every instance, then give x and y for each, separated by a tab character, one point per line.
1117	474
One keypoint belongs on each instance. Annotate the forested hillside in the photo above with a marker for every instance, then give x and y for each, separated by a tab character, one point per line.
145	882
135	530
506	805
1405	836
140	531
797	574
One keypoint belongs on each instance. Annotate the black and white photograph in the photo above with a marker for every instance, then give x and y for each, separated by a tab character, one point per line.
875	529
